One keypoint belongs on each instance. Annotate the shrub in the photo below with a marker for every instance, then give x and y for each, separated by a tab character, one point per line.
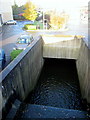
29	27
33	26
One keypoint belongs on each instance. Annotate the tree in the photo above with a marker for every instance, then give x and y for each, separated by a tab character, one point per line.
58	21
15	9
30	12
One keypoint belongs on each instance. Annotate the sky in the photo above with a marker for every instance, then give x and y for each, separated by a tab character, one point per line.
57	4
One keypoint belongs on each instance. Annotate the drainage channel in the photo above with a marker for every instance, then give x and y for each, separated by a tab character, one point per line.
58	86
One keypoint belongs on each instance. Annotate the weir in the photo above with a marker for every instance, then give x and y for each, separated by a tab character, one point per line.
70	47
20	77
57	86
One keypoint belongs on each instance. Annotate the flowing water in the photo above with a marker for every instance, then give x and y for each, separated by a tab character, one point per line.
58	85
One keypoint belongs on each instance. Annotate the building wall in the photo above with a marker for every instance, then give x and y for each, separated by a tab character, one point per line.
5	10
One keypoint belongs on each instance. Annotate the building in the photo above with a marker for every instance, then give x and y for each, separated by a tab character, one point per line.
5	11
84	14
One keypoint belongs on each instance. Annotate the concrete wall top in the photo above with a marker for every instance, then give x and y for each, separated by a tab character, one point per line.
59	37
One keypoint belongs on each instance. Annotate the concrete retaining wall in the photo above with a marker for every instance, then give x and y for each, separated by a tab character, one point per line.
83	69
61	47
71	48
22	73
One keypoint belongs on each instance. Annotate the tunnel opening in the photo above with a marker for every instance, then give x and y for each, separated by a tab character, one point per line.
58	85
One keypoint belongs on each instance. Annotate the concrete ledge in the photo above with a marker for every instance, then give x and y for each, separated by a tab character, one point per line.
43	30
13	110
40	111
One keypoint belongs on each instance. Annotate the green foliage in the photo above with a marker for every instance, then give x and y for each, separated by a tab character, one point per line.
17	10
30	12
17	17
29	27
39	24
15	53
33	26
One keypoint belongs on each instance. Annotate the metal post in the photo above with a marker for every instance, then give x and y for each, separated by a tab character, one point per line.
43	20
46	25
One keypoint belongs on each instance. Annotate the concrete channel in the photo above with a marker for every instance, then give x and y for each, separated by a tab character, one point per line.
20	77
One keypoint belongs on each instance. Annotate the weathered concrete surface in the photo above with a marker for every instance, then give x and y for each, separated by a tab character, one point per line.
83	69
48	112
16	105
22	73
61	47
69	47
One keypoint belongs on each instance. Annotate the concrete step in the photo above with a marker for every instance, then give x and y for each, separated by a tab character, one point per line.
40	111
13	110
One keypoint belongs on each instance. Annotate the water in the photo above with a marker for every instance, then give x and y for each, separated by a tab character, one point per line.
58	85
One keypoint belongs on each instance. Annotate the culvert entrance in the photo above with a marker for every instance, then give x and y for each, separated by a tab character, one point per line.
57	86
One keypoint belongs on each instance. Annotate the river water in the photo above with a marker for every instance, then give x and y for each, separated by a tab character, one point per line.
57	86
